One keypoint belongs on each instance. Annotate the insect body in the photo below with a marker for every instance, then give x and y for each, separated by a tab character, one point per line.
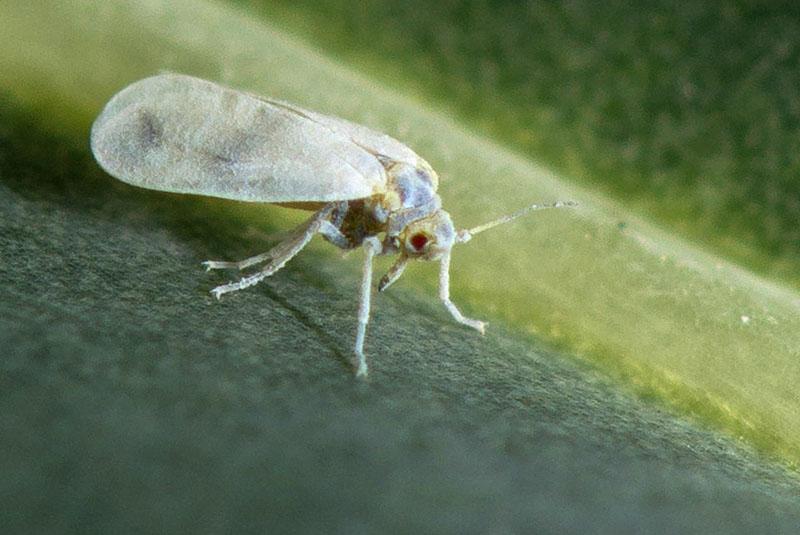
367	190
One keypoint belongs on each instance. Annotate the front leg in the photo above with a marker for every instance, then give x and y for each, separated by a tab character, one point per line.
372	246
444	295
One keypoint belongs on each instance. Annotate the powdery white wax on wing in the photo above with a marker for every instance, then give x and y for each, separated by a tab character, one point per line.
181	134
375	142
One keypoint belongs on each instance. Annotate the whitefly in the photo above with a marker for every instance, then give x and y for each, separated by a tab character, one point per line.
366	190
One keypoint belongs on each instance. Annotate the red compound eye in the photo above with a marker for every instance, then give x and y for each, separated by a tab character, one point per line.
419	241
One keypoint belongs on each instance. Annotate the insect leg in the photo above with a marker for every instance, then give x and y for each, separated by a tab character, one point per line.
371	247
334	235
241	264
444	295
329	230
394	273
279	255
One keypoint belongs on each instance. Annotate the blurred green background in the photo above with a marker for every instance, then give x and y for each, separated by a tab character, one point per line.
128	397
687	112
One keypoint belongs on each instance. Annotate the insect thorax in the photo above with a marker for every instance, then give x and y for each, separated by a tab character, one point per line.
410	195
356	220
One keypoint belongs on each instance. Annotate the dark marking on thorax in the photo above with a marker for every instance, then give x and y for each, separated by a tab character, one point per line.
356	221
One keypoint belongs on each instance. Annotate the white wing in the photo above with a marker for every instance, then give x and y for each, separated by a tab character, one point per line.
182	134
374	142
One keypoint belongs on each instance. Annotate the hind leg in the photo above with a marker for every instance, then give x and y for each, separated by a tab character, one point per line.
278	256
241	264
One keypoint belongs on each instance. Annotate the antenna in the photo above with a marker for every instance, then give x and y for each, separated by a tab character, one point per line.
465	235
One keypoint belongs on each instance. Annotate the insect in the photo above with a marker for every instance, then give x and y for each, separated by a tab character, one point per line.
366	190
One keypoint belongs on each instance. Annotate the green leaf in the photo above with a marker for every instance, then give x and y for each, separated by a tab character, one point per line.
122	365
